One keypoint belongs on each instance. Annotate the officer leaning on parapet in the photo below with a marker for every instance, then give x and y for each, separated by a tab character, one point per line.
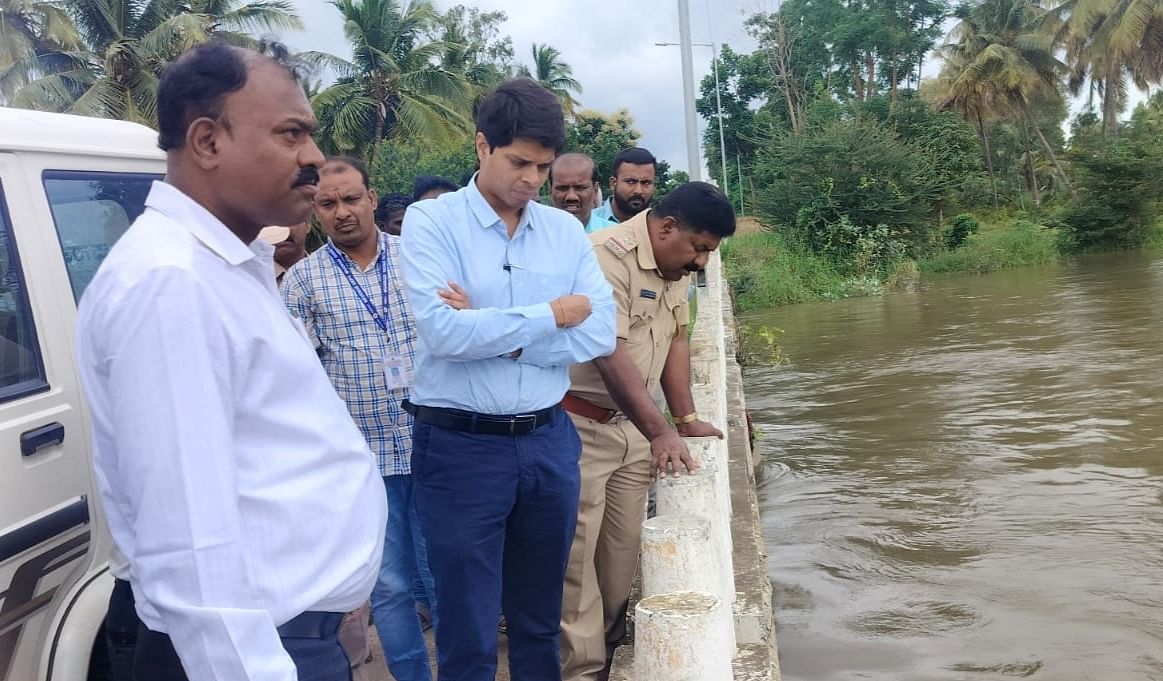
615	403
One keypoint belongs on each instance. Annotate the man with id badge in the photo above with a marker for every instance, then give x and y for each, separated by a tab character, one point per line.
349	296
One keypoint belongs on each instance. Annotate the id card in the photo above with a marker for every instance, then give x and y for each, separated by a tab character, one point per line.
397	373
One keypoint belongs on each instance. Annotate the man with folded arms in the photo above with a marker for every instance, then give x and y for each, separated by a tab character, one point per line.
494	457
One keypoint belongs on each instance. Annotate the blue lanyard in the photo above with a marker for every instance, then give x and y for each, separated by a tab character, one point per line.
343	266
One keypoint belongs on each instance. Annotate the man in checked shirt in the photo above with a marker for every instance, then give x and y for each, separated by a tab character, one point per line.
350	298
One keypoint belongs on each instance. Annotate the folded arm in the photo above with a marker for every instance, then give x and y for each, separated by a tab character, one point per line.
429	262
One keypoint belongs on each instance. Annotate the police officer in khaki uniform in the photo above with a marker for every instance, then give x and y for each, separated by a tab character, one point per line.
615	405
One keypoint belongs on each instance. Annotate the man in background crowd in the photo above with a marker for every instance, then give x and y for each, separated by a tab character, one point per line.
350	298
631	186
389	213
290	246
573	187
431	186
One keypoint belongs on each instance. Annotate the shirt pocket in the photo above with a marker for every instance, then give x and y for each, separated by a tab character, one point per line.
642	314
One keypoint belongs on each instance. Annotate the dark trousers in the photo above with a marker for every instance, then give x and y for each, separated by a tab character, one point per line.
121	624
316	659
498	513
138	653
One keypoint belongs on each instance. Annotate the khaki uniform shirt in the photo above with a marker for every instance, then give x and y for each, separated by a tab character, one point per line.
651	310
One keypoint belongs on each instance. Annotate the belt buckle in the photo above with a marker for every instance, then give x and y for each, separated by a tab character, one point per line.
531	419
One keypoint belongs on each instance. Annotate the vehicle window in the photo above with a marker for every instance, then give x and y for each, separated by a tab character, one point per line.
91	211
21	368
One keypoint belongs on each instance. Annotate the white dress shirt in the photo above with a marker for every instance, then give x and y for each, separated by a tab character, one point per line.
233	478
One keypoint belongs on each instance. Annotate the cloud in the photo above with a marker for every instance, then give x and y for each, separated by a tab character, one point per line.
609	43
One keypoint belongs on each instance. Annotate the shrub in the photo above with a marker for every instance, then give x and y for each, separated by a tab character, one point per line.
959	230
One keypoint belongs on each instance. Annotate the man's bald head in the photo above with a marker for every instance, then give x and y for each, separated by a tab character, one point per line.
572	185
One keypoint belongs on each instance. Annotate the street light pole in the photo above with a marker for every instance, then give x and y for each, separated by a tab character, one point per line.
719	106
688	90
690	103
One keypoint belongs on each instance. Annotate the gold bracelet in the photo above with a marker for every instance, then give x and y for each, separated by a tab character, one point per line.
689	418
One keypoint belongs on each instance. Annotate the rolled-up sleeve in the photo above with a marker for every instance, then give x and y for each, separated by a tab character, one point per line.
166	358
596	336
429	262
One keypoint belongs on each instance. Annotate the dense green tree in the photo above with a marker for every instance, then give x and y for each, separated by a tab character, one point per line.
857	171
393	85
1118	180
602	137
474	46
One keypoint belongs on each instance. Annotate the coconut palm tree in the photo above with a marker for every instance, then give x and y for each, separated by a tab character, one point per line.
1108	43
129	42
237	23
32	33
997	63
554	75
393	85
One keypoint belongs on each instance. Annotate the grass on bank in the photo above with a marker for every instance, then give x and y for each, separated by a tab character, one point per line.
998	246
765	271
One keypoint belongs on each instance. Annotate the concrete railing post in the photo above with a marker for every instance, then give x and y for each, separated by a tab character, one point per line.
698	495
705	449
681	637
674	555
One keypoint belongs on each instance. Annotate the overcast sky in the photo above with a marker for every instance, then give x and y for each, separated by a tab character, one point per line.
609	44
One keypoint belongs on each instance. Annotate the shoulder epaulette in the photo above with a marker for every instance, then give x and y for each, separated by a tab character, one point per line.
621	245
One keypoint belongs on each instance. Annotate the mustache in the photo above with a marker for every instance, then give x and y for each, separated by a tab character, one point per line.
308	175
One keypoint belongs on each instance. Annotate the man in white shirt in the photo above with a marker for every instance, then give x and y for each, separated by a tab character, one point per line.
236	485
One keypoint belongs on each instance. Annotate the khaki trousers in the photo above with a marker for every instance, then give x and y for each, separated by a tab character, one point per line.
615	479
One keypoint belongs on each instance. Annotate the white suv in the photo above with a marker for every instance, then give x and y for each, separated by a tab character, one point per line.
69	187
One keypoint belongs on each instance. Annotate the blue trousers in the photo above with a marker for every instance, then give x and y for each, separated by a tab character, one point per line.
498	513
393	601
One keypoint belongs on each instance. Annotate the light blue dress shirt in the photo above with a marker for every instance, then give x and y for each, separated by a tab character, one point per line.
598	222
461	358
605	211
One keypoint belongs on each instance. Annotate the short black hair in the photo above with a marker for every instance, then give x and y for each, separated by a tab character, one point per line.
196	84
390	203
521	109
635	156
700	207
426	183
349	162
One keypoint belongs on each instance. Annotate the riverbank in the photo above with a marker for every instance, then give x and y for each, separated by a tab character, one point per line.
764	270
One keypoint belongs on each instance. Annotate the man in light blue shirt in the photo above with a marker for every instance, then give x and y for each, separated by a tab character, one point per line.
495	459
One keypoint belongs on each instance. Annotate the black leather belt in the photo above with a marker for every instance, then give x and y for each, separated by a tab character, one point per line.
482	424
312	624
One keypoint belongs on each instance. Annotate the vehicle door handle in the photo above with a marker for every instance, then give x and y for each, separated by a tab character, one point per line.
32	441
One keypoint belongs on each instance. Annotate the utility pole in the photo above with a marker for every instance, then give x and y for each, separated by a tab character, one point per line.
719	105
688	90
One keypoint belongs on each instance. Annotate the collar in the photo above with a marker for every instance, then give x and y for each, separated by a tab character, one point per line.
381	252
610	210
484	213
200	223
645	247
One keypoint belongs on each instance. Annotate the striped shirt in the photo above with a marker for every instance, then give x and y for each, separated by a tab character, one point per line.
352	346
